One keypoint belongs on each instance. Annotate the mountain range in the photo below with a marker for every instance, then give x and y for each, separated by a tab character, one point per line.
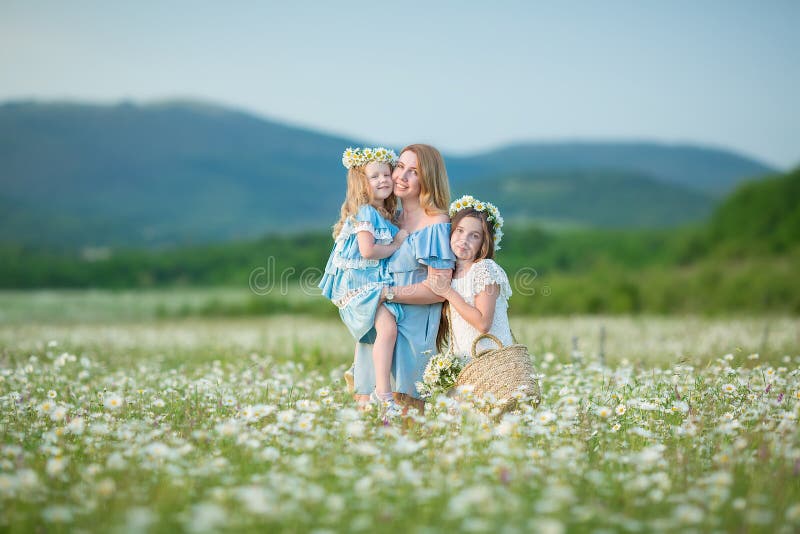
181	172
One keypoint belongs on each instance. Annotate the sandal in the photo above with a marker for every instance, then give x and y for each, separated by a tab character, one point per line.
388	408
349	377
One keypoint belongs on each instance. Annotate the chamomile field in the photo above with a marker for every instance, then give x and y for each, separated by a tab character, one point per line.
115	421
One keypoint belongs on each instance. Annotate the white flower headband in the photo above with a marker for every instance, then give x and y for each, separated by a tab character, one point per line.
492	214
355	157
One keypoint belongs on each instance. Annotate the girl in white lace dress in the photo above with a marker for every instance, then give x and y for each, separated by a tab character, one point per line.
477	296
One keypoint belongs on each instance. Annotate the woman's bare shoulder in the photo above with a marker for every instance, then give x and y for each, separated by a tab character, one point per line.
436	218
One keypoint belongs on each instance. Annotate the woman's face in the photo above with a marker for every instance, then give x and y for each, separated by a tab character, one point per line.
406	176
467	239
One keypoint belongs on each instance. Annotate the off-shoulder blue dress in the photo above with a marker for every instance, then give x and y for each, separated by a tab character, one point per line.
353	282
417	324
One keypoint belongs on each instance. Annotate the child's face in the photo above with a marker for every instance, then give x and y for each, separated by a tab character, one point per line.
467	239
379	176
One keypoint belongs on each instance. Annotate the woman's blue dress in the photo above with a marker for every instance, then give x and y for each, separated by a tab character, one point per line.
353	282
417	324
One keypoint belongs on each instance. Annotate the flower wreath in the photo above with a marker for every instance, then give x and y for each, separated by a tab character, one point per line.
492	214
355	157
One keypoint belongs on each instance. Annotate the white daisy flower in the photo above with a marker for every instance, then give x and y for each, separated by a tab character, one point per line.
604	411
112	402
546	417
58	414
76	426
55	465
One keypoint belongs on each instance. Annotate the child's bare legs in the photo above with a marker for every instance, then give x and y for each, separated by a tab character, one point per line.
383	350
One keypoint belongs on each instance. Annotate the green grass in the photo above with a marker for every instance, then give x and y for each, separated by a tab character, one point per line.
102	305
242	424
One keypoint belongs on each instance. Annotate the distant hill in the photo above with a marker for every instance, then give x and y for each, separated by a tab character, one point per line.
708	170
178	173
590	198
160	174
759	217
742	260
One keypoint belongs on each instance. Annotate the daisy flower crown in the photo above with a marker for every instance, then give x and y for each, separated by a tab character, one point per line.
492	214
355	157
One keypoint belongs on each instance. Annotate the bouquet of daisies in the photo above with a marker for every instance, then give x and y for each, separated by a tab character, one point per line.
440	374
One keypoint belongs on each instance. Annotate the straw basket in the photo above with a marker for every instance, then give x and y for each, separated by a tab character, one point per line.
502	372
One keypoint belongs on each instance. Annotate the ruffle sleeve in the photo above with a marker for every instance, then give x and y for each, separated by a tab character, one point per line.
328	277
432	246
368	219
487	272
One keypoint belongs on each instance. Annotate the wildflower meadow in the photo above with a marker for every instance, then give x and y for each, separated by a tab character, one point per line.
201	425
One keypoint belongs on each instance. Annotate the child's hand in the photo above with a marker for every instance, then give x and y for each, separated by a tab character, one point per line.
400	236
439	282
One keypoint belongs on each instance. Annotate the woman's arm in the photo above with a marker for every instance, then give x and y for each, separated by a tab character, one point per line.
419	293
372	251
481	314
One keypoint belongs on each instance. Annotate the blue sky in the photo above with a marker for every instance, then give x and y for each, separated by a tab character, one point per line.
464	78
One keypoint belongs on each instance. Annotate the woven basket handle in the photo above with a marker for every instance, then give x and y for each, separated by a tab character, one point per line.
482	336
450	341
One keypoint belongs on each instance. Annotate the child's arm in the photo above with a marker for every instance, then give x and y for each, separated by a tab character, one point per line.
372	251
481	314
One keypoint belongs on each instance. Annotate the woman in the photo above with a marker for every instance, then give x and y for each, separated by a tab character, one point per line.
420	182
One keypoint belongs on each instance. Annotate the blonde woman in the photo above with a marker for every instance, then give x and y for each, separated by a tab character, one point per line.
421	185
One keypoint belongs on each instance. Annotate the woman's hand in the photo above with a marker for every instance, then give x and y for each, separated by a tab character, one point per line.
400	236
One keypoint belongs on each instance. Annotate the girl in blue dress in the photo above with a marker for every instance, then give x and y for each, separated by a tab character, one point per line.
421	184
356	270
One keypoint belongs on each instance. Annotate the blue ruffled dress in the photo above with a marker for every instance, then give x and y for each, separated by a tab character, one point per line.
417	324
352	282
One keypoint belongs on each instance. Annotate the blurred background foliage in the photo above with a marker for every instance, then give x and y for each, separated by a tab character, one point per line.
743	258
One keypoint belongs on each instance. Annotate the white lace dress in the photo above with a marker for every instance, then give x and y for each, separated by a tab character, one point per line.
483	273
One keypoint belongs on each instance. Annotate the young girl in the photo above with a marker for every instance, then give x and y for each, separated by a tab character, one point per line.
477	297
356	270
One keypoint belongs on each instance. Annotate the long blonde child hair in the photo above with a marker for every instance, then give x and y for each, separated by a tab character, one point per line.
434	196
359	193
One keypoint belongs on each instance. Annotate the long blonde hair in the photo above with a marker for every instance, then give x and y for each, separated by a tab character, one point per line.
434	195
359	193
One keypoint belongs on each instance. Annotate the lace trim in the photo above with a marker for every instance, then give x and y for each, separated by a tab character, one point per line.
486	273
350	295
355	263
383	236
